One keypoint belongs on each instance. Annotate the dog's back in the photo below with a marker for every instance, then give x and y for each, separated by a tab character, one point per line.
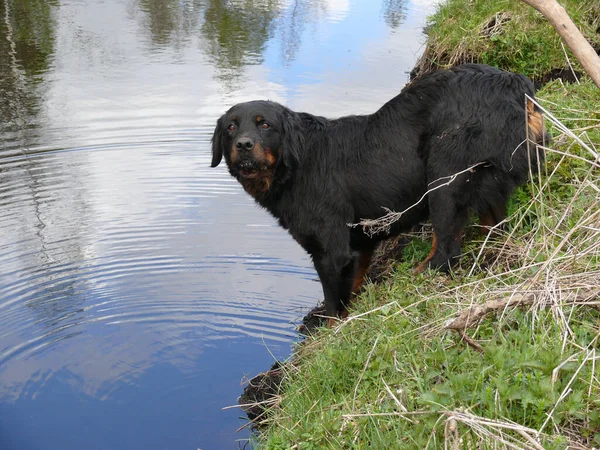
497	102
482	108
480	117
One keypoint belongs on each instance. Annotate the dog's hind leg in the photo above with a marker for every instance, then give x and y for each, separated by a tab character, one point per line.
364	261
449	220
491	217
421	267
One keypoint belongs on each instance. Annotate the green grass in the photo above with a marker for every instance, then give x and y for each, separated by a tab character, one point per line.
506	33
338	400
394	376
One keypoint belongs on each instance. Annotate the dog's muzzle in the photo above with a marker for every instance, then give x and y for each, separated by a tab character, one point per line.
247	169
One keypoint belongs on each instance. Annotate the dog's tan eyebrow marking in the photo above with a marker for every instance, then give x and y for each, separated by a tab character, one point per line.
234	117
259	118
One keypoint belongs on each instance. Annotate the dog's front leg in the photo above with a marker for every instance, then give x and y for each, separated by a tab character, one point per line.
336	272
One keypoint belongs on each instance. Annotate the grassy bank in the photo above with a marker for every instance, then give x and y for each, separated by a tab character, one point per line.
507	34
506	352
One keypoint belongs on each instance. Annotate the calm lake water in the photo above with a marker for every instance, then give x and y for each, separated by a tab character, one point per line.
139	287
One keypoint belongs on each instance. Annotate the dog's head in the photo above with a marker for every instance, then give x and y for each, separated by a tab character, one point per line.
261	141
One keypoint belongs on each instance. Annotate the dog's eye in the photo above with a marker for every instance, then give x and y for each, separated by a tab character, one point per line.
231	127
265	125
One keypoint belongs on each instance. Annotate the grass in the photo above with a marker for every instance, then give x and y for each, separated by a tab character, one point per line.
507	34
503	354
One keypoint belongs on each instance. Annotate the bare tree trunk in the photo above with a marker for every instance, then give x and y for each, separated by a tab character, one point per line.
567	30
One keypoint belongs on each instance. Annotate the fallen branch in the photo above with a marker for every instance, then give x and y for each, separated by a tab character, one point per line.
471	317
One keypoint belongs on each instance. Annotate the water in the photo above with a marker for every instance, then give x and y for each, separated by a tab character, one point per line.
138	286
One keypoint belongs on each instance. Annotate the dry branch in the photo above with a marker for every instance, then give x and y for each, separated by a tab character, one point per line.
471	317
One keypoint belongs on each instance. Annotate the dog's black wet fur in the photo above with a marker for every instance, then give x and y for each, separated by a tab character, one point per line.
317	175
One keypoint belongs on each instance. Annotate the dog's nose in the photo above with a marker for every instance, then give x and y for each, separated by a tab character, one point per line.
244	143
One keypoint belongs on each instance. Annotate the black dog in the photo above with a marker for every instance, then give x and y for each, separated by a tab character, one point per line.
318	175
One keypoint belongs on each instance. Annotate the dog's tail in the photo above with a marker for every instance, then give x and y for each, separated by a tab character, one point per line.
536	128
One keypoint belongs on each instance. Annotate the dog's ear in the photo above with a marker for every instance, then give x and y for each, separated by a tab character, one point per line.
217	143
293	139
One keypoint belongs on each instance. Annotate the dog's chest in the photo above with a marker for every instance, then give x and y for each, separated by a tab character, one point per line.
257	187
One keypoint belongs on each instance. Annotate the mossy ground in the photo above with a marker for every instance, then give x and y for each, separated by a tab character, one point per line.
394	376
